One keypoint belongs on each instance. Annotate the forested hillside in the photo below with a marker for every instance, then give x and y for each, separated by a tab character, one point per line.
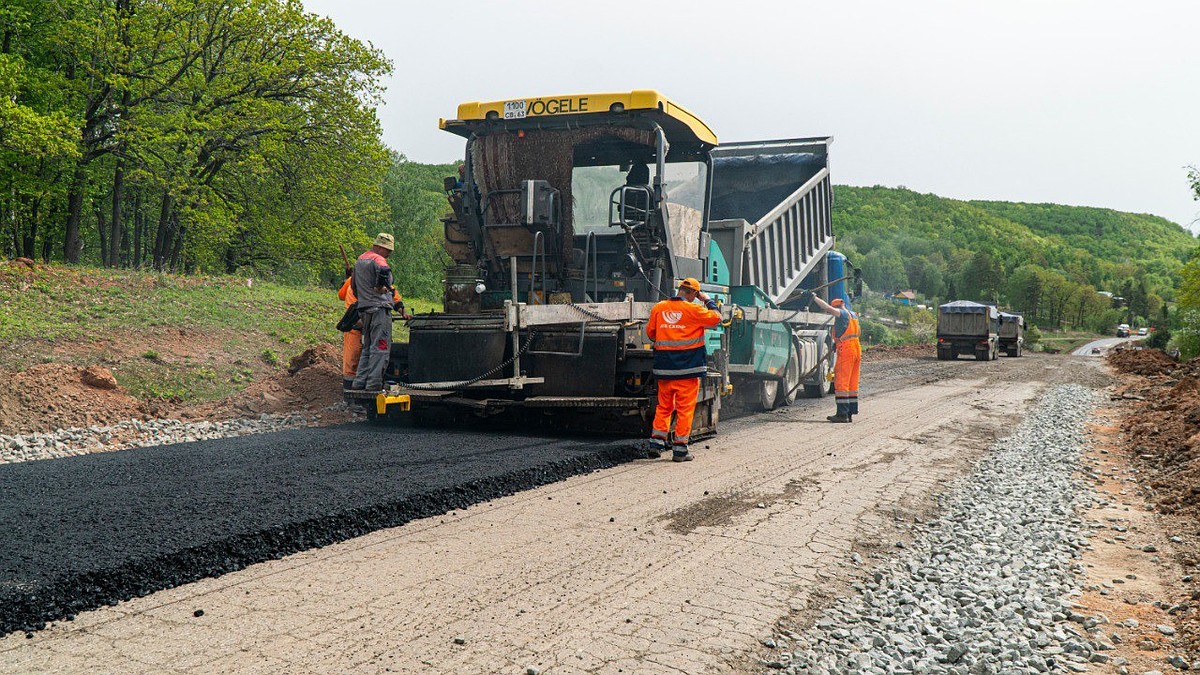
1046	260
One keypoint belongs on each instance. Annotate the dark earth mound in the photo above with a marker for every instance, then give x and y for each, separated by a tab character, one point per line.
83	532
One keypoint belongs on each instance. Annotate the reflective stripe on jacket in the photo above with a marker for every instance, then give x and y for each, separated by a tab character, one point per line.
677	329
851	332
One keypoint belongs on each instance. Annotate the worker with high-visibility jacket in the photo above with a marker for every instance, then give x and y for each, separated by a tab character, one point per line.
352	339
849	358
676	326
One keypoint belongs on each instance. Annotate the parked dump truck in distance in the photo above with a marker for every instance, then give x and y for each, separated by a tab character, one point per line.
966	327
1012	333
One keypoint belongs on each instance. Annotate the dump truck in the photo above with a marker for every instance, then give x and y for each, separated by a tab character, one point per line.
1012	333
966	327
573	216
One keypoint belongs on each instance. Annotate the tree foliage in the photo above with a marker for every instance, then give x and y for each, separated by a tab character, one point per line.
1046	260
187	134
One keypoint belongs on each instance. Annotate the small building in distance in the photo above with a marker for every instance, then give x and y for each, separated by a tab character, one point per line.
904	298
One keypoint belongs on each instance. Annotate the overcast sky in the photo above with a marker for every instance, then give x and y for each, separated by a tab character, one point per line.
1086	102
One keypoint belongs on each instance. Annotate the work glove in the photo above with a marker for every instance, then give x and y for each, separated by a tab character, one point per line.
806	299
399	307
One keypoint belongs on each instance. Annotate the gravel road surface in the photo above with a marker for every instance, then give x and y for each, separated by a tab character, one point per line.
646	567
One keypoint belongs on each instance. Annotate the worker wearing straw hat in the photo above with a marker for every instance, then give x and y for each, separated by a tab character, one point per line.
373	288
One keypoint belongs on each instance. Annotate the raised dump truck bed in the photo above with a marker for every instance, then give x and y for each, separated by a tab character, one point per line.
770	212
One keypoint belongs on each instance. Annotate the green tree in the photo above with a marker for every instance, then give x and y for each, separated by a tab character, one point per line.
1025	291
416	205
982	278
883	270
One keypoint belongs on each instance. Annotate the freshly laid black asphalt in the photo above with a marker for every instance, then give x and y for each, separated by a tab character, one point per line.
82	532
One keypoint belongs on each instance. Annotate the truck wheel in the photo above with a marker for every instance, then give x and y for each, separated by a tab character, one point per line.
768	391
791	379
982	354
822	387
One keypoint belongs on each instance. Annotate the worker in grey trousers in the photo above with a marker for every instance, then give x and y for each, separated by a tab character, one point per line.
373	288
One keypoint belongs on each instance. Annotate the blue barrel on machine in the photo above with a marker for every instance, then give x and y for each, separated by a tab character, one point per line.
837	270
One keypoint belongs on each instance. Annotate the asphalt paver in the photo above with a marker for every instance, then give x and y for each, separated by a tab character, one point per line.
83	532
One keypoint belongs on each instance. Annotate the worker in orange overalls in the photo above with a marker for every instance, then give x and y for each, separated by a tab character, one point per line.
676	326
849	358
352	339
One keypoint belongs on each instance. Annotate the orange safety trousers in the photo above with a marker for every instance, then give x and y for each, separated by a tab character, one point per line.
678	397
845	376
351	351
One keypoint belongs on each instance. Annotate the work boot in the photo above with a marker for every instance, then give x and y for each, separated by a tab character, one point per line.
685	457
839	418
654	448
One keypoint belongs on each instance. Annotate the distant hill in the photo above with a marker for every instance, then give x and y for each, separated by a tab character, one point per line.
940	246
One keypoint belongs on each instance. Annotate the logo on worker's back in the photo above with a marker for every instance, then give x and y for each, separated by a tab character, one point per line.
672	317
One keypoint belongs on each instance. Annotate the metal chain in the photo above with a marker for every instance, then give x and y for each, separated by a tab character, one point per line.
466	383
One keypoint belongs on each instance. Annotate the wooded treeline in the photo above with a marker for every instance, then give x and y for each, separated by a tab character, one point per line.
186	135
1048	261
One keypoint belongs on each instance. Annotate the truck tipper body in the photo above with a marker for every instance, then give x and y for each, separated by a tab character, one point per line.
1012	333
574	216
966	327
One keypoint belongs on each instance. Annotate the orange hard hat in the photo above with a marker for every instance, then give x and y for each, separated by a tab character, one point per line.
838	302
690	283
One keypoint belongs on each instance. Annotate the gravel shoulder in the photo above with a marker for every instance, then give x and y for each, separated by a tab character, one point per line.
647	567
986	586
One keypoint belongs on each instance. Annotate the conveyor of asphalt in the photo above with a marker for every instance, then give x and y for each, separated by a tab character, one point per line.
81	532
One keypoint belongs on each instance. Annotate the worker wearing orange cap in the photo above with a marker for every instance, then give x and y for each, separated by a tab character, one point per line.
676	326
849	358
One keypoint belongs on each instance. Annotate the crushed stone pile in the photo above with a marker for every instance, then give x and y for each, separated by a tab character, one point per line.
138	434
986	588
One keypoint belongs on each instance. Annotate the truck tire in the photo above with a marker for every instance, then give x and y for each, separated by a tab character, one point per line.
982	355
768	392
791	380
821	388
